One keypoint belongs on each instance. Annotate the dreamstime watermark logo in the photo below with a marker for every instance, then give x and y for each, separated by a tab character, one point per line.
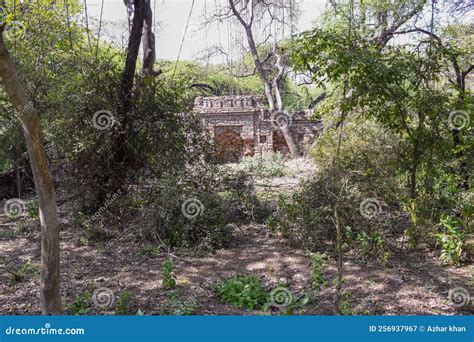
104	207
370	207
14	208
22	110
281	296
281	119
15	30
459	297
193	31
192	208
103	119
459	119
103	297
46	330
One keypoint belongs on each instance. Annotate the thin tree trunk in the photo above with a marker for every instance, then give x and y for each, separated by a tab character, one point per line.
337	294
275	103
148	42
285	129
461	87
128	76
49	284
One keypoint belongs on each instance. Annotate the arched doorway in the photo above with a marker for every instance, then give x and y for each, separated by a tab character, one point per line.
230	145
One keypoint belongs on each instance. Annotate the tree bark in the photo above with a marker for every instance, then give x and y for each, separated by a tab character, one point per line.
148	42
50	298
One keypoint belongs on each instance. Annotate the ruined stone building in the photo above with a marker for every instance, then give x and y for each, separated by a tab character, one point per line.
242	126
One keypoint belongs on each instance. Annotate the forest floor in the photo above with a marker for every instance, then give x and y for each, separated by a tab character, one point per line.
412	282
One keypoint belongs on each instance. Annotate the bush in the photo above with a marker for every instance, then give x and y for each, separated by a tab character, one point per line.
451	239
371	244
361	184
265	164
246	292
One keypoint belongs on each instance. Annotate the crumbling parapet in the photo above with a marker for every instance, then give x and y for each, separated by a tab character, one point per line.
228	103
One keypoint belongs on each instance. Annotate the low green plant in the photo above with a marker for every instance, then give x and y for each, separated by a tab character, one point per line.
80	305
372	245
265	164
297	302
318	262
169	280
345	308
451	239
244	291
25	270
123	303
32	209
177	306
150	251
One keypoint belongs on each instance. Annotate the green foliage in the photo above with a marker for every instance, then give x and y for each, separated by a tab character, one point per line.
151	251
177	306
345	307
367	153
80	305
246	292
372	245
264	164
25	270
451	240
204	229
32	209
241	197
167	270
318	262
123	303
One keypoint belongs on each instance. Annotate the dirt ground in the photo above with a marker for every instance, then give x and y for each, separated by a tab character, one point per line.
411	283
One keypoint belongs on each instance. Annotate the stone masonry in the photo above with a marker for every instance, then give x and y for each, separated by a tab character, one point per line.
242	126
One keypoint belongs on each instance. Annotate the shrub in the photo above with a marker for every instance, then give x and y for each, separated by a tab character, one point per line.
80	305
246	292
372	245
451	239
264	164
317	264
364	173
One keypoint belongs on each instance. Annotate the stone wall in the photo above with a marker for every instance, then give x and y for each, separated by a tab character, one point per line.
242	126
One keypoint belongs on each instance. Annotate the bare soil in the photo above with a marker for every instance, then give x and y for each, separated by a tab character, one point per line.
413	282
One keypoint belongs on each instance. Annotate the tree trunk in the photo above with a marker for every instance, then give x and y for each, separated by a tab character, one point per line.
285	129
126	90
50	298
461	88
275	103
148	42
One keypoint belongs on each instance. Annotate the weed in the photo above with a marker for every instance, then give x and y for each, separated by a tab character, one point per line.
150	251
26	269
372	245
177	306
169	280
80	305
123	303
318	263
245	292
451	239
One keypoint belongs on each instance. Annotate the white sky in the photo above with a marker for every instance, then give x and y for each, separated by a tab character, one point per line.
171	16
